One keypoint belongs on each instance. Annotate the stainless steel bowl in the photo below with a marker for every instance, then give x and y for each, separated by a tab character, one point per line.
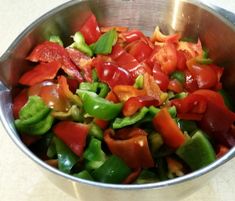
213	25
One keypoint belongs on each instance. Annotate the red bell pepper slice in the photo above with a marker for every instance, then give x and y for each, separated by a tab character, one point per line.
49	92
175	86
112	74
139	49
161	78
221	151
132	35
65	91
191	107
132	177
190	84
165	57
131	145
49	51
18	102
152	89
90	30
72	134
218	122
41	72
211	96
124	92
181	60
204	75
167	127
133	104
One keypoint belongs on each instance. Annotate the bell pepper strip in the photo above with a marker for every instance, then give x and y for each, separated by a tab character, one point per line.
66	158
94	155
197	152
181	60
41	72
194	103
217	122
161	78
204	75
90	30
167	127
84	175
139	82
50	94
131	35
133	104
101	88
139	50
166	58
152	89
129	62
130	120
95	131
56	39
64	90
105	43
74	114
114	170
191	84
124	92
33	111
18	102
131	145
112	74
73	135
179	75
159	36
80	44
49	52
99	107
154	110
38	128
190	49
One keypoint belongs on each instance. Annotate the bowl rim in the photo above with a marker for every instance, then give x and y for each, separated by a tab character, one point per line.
157	185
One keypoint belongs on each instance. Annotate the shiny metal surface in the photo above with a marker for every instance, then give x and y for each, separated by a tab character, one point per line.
188	17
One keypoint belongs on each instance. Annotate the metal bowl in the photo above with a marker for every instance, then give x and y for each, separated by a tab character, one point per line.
190	18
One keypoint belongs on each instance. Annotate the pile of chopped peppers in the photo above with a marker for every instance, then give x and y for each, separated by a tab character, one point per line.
116	106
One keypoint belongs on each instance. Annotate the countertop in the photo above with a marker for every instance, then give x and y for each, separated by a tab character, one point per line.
20	178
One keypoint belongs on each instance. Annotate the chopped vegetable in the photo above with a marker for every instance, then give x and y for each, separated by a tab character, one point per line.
118	106
197	152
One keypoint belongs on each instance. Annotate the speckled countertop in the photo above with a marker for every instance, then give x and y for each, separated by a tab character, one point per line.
20	179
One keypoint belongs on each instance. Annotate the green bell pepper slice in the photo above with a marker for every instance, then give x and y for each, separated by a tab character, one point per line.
197	152
84	175
105	43
80	44
147	176
96	131
94	155
101	89
33	111
127	121
114	170
38	128
56	39
66	158
139	82
99	107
